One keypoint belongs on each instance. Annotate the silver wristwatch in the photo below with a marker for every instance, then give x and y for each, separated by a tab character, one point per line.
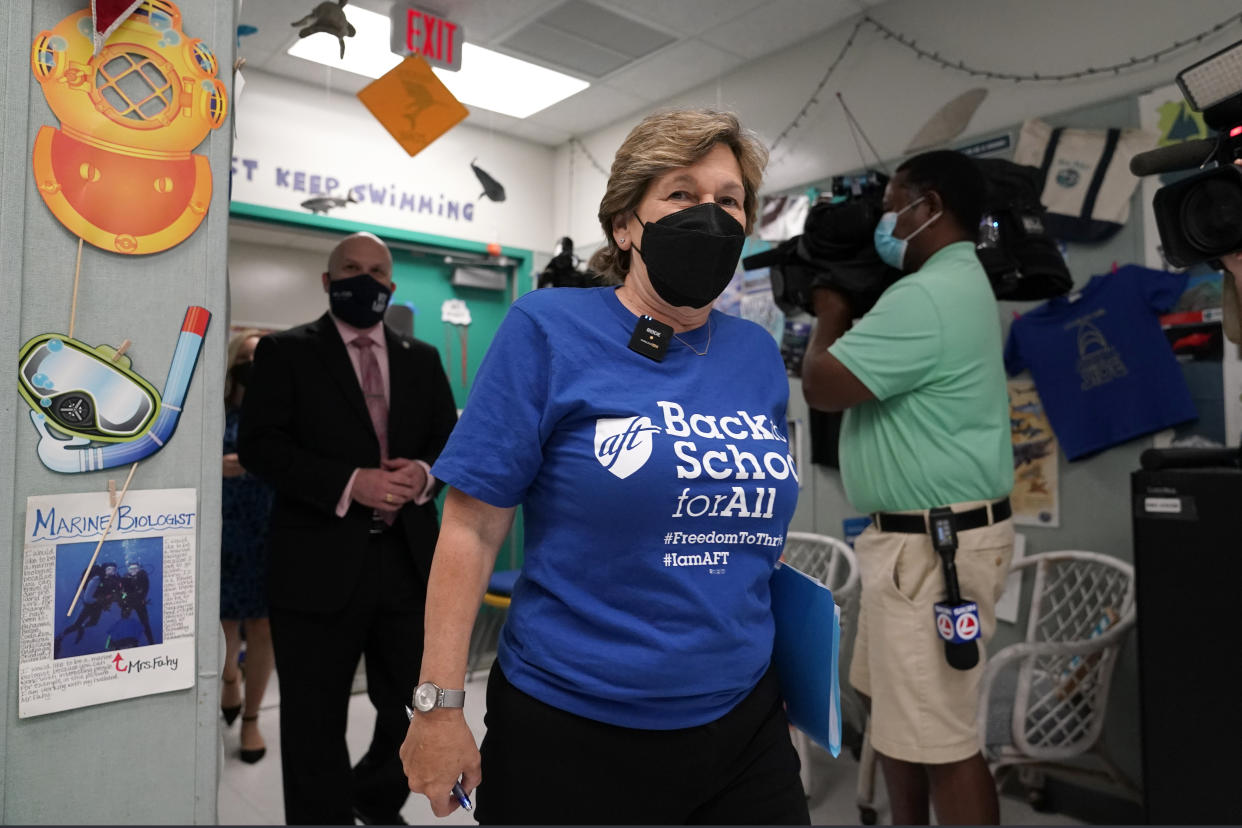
428	696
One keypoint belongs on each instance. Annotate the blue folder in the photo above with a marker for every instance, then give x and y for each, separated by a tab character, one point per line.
805	652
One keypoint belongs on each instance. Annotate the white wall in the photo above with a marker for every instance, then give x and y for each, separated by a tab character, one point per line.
293	136
275	286
892	93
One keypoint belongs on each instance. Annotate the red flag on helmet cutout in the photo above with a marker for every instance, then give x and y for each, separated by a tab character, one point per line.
107	15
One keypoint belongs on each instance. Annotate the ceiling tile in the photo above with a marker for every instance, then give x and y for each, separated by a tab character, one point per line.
606	28
685	17
686	65
777	24
589	110
490	21
553	46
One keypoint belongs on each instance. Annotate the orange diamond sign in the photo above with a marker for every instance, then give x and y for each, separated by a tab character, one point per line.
412	104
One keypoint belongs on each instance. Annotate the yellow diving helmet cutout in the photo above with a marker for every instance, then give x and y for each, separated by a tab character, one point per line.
119	173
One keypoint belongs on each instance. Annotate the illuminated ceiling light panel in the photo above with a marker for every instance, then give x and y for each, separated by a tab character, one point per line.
487	79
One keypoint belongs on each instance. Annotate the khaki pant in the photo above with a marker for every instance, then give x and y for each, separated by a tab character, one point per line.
923	710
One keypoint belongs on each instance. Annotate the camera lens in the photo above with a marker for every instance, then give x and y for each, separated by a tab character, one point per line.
1212	215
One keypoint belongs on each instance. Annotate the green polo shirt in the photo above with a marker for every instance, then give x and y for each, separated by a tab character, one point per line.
937	431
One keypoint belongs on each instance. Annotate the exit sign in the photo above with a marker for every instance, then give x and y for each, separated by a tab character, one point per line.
419	32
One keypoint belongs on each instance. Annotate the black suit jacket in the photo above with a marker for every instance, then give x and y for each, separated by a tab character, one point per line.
304	429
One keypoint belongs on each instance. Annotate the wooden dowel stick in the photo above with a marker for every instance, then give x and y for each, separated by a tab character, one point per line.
102	538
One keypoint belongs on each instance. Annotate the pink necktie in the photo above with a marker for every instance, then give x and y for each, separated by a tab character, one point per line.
377	406
373	391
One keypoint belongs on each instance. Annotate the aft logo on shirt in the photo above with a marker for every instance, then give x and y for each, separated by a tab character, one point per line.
623	444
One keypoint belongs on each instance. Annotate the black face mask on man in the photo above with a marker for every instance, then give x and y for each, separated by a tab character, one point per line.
359	300
691	254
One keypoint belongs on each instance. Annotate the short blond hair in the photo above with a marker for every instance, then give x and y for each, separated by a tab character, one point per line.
665	141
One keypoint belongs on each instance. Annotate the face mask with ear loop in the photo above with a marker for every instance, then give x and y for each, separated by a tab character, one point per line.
891	249
691	254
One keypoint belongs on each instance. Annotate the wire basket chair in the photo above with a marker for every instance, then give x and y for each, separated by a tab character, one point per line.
1055	683
1082	607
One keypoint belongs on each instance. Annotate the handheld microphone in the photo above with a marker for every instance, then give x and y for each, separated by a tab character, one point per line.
1187	155
957	621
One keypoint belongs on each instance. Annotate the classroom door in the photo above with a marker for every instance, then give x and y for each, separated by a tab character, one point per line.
424	282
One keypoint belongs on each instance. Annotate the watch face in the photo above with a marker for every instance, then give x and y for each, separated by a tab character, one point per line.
425	697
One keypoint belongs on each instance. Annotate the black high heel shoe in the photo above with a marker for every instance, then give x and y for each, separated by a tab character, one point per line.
251	756
231	713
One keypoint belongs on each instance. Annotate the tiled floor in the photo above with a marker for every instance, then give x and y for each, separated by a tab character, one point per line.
250	794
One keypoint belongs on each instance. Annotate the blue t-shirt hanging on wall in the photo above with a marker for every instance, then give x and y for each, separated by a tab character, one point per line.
1101	362
656	498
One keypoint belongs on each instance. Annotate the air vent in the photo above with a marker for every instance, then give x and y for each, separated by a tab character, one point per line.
586	39
480	277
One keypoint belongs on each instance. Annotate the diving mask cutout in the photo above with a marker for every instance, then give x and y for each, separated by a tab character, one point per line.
83	392
92	411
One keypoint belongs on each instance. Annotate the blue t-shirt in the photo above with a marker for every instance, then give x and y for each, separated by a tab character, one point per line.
656	497
1101	362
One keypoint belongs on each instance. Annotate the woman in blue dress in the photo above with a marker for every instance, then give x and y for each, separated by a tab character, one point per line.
247	503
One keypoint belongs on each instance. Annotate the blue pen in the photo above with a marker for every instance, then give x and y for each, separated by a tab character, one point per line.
458	791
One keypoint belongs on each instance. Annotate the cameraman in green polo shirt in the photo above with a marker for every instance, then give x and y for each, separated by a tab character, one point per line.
921	380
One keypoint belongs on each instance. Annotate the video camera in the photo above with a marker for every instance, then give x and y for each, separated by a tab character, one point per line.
563	270
1200	216
835	249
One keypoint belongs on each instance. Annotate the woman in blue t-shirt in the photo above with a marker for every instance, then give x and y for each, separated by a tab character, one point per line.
643	434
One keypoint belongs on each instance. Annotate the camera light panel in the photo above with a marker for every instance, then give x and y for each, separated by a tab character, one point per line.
1213	79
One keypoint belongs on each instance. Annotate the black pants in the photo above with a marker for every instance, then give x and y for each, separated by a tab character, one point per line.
143	617
88	617
316	657
543	765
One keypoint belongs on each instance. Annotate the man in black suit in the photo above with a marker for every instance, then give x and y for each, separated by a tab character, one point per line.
343	417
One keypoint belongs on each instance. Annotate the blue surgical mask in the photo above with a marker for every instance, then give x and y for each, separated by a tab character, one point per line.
891	249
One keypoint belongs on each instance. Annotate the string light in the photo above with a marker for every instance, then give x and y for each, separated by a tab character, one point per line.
814	99
975	72
574	142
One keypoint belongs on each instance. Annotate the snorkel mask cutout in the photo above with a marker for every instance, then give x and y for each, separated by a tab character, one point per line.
82	392
78	395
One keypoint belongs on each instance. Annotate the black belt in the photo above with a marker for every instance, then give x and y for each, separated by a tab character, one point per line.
962	521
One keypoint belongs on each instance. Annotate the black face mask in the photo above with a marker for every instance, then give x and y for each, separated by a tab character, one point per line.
691	254
241	373
359	300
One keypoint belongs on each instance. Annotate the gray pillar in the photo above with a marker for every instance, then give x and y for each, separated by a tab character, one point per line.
153	759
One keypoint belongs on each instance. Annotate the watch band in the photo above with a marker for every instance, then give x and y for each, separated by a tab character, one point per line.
451	698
